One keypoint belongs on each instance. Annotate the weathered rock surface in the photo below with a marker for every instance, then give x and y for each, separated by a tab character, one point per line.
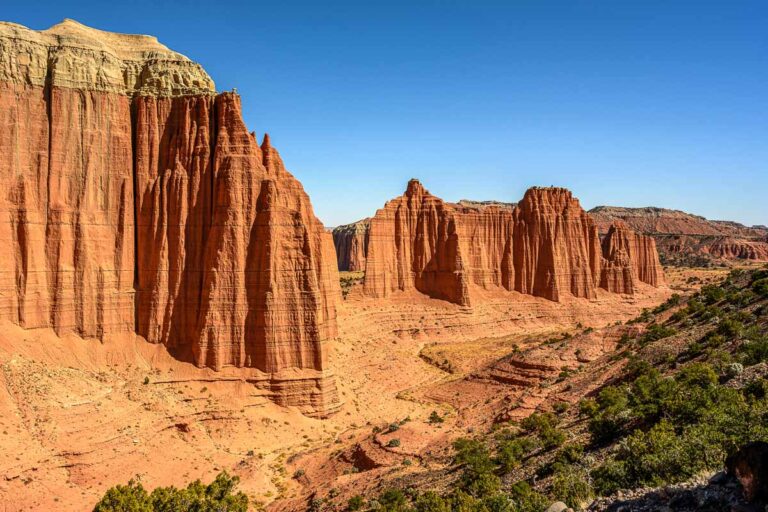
737	249
351	242
137	201
679	235
71	55
546	246
629	258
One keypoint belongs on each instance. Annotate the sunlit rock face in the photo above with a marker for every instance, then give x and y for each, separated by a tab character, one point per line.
136	200
546	245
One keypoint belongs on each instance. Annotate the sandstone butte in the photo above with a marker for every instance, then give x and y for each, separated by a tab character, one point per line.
136	201
680	233
546	246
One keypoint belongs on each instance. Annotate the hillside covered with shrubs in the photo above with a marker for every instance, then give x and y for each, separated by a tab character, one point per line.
694	390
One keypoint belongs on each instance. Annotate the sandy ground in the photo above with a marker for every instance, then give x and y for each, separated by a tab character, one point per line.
79	416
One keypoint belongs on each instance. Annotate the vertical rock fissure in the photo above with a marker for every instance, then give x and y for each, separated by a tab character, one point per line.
135	200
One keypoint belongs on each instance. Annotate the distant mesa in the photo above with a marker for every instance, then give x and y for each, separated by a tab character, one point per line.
468	203
546	245
682	237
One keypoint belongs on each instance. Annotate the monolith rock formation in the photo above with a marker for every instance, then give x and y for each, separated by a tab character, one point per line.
136	201
546	245
688	239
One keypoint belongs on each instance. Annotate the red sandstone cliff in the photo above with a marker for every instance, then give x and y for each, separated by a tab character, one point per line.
546	245
629	258
137	201
680	235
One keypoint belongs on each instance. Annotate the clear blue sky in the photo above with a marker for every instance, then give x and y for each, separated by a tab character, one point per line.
625	102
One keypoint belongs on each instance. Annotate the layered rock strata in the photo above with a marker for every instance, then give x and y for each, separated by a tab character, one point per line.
137	201
629	258
683	237
546	246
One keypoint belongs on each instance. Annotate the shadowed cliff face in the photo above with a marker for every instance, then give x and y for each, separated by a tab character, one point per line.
546	246
351	243
137	201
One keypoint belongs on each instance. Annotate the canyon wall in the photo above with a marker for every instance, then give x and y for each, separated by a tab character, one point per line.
684	238
629	258
546	246
137	201
351	243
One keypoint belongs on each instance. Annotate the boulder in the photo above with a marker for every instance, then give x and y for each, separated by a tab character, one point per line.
750	467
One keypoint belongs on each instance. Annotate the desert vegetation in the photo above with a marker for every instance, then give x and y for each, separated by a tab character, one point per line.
667	417
218	496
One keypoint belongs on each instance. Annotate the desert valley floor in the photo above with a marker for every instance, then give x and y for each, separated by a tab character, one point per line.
82	415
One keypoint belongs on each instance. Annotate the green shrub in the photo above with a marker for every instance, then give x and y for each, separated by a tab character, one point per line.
355	503
393	443
588	407
712	294
569	454
537	421
435	418
694	307
571	485
678	316
609	477
430	501
754	351
526	499
393	500
612	413
552	437
545	426
478	478
757	389
672	301
656	332
760	287
730	328
218	495
510	453
125	498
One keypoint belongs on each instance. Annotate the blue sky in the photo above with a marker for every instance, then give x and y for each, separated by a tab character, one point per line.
630	103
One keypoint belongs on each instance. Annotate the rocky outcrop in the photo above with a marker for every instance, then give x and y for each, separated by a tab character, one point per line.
750	467
137	201
351	242
557	250
629	258
412	244
731	248
682	237
546	246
